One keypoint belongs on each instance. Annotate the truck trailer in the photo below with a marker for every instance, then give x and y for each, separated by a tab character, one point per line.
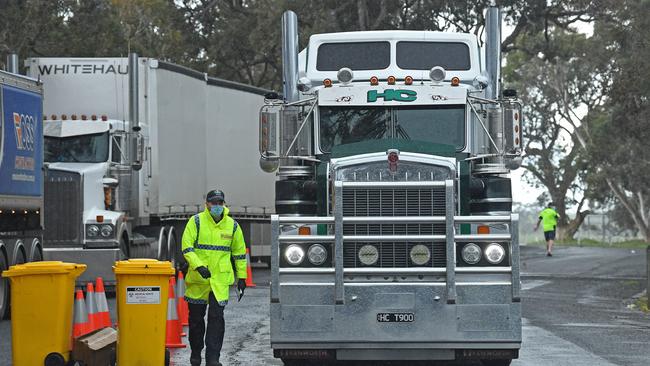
130	152
21	177
394	237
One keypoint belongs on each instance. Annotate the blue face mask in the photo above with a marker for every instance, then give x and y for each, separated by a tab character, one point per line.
216	210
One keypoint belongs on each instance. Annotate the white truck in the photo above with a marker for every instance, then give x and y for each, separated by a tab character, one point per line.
393	151
131	151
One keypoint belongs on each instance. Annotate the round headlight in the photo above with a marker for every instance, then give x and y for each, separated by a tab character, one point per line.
368	254
420	254
437	74
107	230
92	230
317	254
344	75
471	253
494	253
294	254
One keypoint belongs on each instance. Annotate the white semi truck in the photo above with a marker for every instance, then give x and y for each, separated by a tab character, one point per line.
131	151
393	151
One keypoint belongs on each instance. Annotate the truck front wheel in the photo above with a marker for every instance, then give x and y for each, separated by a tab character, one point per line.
4	288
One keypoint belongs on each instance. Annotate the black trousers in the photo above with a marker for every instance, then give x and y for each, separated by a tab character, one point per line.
216	328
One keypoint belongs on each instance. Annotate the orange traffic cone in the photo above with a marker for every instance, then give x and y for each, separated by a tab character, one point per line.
80	326
180	324
173	331
103	313
91	307
249	271
183	311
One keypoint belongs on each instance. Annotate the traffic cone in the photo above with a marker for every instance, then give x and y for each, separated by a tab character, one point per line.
103	313
180	323
91	307
80	326
249	271
183	311
173	329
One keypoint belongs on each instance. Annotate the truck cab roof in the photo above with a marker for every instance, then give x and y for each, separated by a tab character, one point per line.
391	53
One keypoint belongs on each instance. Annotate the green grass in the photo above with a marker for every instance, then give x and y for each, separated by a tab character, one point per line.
629	244
642	304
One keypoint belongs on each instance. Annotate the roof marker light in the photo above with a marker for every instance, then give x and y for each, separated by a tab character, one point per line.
104	118
455	81
408	80
53	116
327	83
73	117
84	117
374	80
93	117
391	80
64	117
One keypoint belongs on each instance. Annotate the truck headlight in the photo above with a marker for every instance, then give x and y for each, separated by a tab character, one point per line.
294	254
494	253
107	231
317	254
420	255
471	253
368	254
92	231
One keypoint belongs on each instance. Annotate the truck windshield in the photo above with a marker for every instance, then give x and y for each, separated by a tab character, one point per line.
345	125
77	149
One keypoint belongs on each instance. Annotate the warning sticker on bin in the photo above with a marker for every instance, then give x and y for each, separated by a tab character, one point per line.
143	295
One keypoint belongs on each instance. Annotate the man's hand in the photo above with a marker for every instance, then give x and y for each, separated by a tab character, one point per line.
241	285
204	272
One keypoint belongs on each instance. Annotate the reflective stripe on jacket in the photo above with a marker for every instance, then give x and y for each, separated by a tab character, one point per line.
215	244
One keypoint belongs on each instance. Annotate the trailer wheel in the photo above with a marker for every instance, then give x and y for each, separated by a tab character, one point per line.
4	288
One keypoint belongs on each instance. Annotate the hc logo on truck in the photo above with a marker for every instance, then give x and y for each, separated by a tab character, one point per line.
24	130
390	95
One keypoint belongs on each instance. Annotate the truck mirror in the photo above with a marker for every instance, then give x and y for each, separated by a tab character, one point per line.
139	153
268	143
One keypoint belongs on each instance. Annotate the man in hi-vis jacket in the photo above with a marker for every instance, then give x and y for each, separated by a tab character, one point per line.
209	240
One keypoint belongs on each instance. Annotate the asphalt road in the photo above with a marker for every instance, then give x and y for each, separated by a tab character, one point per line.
574	307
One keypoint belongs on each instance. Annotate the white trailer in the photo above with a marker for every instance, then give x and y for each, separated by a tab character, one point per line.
123	177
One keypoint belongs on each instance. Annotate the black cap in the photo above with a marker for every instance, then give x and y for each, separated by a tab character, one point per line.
215	196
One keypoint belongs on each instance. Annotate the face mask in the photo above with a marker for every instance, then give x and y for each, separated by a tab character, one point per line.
216	210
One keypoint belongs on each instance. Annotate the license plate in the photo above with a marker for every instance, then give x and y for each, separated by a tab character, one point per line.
395	317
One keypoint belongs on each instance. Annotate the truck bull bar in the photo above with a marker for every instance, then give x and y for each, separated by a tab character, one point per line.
450	239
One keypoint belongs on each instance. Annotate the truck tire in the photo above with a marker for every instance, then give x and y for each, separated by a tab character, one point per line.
4	288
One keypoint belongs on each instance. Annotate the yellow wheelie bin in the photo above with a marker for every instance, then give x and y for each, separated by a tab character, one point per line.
42	295
142	291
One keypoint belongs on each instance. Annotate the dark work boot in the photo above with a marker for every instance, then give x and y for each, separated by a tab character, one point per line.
213	363
195	359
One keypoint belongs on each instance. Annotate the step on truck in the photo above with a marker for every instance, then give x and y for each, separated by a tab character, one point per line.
394	237
132	145
21	177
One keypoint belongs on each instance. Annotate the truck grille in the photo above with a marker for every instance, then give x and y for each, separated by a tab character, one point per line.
397	201
63	208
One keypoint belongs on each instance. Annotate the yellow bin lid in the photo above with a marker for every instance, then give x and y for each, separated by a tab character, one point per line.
143	266
46	267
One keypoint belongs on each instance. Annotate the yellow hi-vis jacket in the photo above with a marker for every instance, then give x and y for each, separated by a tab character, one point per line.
212	248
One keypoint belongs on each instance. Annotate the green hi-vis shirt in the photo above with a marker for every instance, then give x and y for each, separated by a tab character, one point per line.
549	219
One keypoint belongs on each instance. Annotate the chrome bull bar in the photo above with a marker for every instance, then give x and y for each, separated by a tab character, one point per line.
450	238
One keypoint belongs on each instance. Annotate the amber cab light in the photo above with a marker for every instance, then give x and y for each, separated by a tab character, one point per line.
99	218
391	80
455	81
104	118
327	83
408	80
483	229
304	230
374	80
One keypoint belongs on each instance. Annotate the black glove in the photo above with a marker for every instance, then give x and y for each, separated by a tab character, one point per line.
241	285
204	272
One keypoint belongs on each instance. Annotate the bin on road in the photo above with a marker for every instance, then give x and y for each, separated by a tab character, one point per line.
41	311
142	291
